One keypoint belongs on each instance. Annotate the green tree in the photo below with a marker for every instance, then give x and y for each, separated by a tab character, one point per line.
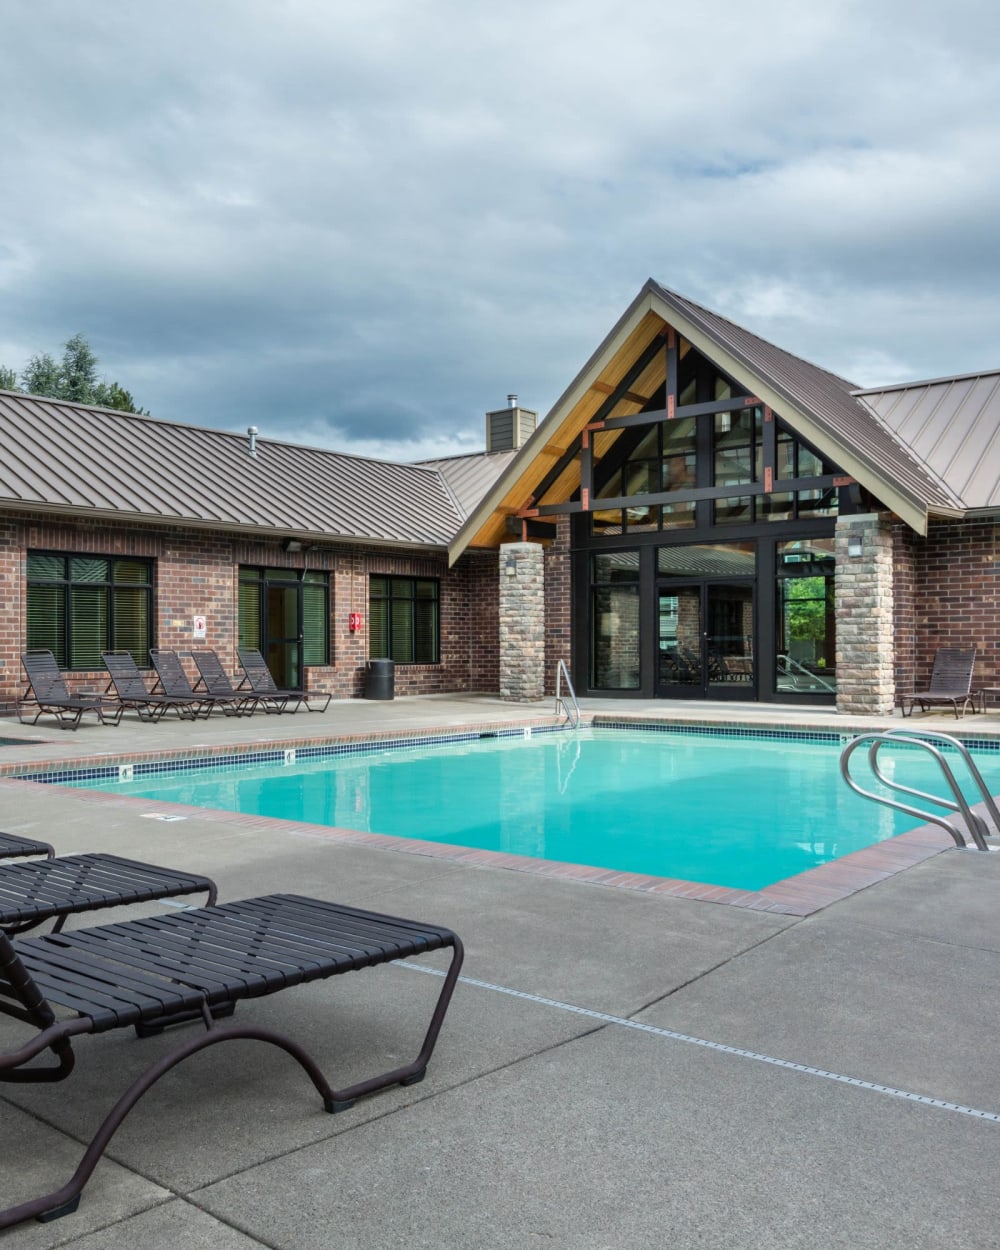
41	376
78	375
73	378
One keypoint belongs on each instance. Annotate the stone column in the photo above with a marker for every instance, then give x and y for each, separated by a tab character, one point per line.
865	623
522	622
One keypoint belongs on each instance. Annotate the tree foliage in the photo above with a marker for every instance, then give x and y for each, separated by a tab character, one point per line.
74	378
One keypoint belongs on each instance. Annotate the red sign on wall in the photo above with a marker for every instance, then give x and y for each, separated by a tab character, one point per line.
354	622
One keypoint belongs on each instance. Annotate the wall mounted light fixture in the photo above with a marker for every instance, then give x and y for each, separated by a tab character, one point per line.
855	547
292	544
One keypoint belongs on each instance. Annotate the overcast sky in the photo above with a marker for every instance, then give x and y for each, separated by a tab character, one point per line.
363	223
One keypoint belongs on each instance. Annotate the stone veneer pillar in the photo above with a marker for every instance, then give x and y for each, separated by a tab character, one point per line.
522	622
866	682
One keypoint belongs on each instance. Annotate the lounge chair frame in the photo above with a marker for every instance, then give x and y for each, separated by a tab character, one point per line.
195	963
173	680
950	684
40	890
258	677
14	846
48	694
215	682
133	694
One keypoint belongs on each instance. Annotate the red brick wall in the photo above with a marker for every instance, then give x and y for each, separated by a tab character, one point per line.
955	598
196	573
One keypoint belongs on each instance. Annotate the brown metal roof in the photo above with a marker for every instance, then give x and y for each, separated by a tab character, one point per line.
70	458
470	477
953	425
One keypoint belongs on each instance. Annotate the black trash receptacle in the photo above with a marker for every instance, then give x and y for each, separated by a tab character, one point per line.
380	682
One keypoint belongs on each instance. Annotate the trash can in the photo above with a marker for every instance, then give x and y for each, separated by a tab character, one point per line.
380	682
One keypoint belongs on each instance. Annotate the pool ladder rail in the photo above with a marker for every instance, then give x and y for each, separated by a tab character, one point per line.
975	825
567	703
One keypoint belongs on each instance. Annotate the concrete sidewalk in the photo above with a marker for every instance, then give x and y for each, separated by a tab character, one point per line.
617	1070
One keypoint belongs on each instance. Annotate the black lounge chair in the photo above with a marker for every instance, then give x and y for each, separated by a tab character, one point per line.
133	695
174	681
13	846
48	693
51	889
258	678
214	680
192	964
950	684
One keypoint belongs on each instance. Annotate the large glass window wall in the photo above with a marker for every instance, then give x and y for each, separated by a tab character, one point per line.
727	590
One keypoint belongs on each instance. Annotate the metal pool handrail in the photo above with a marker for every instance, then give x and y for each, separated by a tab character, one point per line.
562	705
930	742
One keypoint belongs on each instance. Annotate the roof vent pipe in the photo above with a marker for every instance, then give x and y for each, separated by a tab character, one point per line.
252	431
511	401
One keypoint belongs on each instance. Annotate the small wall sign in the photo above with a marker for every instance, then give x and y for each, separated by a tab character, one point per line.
199	628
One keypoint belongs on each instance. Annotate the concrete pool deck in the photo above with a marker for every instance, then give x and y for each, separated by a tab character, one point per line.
618	1069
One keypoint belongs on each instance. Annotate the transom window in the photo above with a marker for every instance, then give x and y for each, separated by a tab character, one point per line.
79	606
404	619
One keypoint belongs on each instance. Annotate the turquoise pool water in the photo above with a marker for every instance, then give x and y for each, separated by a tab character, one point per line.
730	811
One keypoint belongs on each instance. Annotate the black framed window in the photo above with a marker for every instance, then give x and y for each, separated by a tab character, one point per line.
81	605
404	619
615	620
260	588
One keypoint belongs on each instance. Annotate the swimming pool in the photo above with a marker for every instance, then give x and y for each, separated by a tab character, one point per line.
734	811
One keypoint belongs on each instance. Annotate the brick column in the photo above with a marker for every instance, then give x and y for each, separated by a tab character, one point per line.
522	622
865	623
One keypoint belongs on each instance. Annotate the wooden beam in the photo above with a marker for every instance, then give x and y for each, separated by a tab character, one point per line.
605	388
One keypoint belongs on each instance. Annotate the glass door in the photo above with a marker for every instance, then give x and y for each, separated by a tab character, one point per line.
283	634
680	637
704	635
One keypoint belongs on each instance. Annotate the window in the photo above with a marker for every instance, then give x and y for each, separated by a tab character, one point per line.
404	619
79	606
805	641
615	626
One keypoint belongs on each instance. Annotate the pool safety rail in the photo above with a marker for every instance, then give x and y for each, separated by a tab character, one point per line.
935	745
566	703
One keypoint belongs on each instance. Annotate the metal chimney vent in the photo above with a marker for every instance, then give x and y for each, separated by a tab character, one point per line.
252	431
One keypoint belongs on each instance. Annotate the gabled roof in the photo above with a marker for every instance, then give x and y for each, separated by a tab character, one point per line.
469	477
69	458
953	425
824	409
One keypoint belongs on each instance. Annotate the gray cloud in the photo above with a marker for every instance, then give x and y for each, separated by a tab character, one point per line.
364	225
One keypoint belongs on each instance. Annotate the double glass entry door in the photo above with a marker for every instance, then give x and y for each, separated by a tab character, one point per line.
705	640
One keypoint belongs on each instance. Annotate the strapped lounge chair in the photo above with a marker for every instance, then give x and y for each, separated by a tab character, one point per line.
132	693
192	963
13	846
52	889
216	684
950	685
258	678
48	693
173	681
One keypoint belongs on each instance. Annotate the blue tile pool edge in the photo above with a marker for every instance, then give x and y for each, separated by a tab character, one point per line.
151	763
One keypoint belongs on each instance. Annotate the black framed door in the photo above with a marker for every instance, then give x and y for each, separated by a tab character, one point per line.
283	633
705	640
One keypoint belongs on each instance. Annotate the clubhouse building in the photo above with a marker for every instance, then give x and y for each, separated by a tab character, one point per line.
702	515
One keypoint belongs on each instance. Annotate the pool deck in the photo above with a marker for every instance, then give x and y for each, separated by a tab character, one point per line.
621	1067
